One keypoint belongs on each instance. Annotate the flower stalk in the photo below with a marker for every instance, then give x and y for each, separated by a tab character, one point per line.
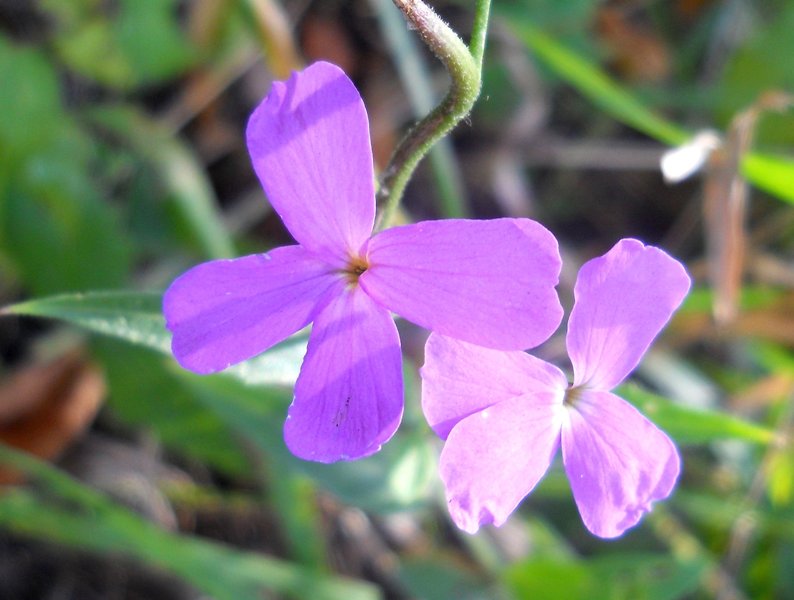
464	65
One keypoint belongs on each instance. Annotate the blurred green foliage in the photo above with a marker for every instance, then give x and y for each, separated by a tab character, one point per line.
100	192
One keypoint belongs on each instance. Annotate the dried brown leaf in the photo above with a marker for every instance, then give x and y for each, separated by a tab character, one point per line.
43	408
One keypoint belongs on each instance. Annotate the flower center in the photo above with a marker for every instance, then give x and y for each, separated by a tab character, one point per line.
572	395
355	267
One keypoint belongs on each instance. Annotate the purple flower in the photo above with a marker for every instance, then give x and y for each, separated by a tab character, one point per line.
487	282
504	414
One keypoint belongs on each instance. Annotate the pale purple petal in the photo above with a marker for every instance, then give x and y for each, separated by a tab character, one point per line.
617	461
493	458
490	283
349	395
459	379
225	311
623	299
309	144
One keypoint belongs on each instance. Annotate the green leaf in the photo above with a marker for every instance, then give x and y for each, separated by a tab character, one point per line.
773	174
774	358
136	317
56	228
149	36
182	178
753	69
615	577
398	477
30	102
693	426
722	511
219	571
440	578
593	83
701	300
546	579
137	43
147	394
52	214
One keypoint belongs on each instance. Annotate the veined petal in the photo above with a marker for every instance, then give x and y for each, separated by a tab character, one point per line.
459	379
225	311
495	457
617	461
309	144
349	395
623	299
490	283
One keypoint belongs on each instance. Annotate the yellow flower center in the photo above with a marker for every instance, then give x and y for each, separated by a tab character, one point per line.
355	267
572	395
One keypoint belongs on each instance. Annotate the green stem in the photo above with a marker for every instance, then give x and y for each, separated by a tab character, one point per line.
419	89
479	30
465	72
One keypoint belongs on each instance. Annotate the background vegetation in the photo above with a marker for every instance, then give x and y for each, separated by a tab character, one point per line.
122	163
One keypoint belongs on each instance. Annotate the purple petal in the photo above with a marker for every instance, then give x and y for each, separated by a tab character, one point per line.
459	379
309	143
495	457
349	395
617	461
623	299
225	311
490	283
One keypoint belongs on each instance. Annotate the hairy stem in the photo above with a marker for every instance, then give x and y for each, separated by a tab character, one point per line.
478	31
465	72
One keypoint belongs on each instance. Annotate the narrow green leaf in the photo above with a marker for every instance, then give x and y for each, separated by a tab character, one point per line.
773	174
722	511
693	426
136	317
591	81
701	300
774	358
132	316
219	571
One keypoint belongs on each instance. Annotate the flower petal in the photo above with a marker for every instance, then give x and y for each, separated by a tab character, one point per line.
623	299
490	283
309	144
495	457
349	395
459	379
617	461
225	311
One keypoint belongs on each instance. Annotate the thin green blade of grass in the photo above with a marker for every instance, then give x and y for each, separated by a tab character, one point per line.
694	426
593	83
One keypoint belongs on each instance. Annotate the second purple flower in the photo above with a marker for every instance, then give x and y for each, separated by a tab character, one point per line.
504	415
490	283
